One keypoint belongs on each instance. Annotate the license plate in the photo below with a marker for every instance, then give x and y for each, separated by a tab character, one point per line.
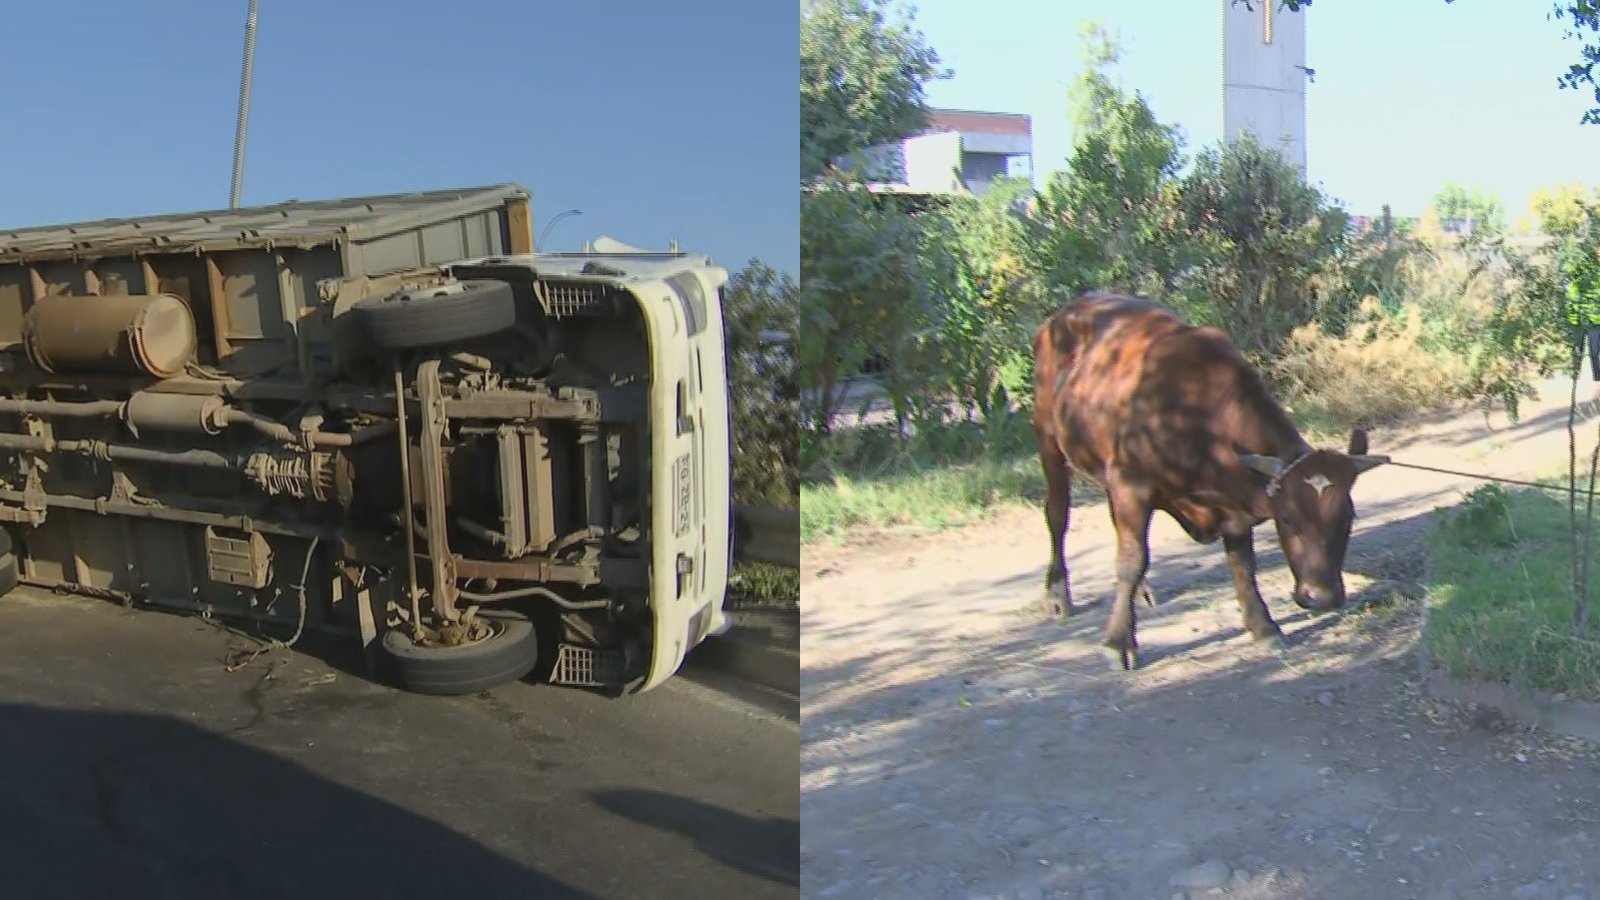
682	497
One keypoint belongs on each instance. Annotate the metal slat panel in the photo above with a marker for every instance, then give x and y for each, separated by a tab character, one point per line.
315	222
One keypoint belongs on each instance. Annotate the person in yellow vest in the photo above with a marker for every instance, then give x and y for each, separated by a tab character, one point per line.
1582	270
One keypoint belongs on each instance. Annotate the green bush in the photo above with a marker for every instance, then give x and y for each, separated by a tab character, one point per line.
1261	235
758	306
759	303
860	295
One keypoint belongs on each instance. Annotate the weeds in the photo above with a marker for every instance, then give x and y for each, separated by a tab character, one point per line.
1501	599
942	472
760	584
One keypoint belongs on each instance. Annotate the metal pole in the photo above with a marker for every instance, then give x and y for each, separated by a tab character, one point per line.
244	106
552	223
409	513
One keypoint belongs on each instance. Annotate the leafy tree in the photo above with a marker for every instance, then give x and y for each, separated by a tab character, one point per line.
1377	264
984	295
1571	217
1483	208
1107	221
760	312
859	291
1561	210
1581	21
1262	234
1429	228
862	78
1523	333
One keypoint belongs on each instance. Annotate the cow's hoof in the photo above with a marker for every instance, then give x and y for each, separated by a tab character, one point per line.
1057	606
1274	641
1121	658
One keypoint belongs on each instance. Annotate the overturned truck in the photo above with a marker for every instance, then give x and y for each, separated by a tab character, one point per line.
382	416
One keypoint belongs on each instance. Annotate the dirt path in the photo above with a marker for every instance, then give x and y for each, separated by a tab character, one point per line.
955	744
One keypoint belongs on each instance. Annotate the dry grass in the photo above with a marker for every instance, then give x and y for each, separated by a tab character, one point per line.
1379	373
1435	345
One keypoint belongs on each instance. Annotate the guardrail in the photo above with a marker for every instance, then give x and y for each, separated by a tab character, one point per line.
767	534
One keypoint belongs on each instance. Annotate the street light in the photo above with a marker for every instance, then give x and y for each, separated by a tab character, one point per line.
244	106
552	223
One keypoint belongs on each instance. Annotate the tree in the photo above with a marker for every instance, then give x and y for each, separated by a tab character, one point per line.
760	314
859	291
862	78
1261	233
1482	208
1581	20
1107	220
983	294
1429	228
1562	210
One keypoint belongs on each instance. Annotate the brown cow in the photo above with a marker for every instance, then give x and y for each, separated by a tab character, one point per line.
1169	416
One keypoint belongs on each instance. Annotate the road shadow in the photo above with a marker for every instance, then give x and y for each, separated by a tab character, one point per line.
1019	767
999	775
766	848
1472	424
131	805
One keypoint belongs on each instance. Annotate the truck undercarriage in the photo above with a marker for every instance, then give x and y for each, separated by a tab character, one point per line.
458	462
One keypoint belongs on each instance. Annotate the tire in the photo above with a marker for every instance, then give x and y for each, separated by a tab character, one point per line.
433	316
451	671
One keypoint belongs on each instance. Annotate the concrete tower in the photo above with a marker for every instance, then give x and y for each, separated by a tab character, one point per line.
1264	75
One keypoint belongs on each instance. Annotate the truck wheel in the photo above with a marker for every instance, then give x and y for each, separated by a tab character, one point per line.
439	315
505	656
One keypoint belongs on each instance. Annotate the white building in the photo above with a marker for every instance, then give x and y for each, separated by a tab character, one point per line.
962	151
1264	75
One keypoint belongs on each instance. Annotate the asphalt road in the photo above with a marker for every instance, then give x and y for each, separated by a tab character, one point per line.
133	765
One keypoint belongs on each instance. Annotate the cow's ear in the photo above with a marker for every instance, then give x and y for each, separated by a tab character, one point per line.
1358	442
1269	466
1364	462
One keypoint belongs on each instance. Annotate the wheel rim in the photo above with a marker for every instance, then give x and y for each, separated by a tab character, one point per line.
482	631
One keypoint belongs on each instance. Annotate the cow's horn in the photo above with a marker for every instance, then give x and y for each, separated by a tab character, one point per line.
1364	462
1269	466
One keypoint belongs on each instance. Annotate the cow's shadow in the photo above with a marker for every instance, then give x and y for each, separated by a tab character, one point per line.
1207	571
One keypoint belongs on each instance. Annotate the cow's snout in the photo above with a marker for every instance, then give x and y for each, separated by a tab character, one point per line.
1319	598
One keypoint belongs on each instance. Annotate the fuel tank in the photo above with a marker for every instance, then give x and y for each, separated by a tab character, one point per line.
118	334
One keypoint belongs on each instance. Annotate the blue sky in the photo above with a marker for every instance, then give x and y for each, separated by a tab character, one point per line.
659	120
1408	93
